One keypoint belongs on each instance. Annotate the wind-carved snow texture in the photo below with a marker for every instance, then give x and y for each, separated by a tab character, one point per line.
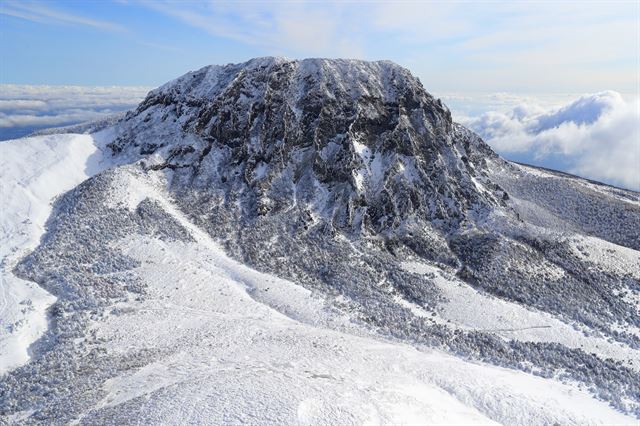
375	220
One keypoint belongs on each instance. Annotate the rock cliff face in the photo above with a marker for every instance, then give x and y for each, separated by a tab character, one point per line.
351	145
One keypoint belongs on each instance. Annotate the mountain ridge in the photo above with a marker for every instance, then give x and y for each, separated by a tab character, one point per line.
350	182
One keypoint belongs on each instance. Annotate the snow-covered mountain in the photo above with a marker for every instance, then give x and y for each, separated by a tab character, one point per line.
311	242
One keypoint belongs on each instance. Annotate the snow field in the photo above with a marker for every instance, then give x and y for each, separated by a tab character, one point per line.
239	346
33	171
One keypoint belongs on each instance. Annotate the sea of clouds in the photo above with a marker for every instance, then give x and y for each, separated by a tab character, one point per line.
26	108
596	136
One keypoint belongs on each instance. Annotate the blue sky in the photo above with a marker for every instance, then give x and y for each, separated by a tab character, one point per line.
506	69
532	47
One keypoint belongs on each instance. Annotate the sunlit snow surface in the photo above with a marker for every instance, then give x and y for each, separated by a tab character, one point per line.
239	346
33	171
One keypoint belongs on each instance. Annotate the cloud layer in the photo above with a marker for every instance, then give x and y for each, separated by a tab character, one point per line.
596	136
24	108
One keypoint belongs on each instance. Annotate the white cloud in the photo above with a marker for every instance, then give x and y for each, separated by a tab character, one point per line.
595	136
33	106
13	104
32	120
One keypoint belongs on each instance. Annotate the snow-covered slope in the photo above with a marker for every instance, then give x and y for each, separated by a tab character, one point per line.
225	344
316	242
33	171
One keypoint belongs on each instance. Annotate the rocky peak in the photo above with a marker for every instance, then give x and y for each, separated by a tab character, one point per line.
356	143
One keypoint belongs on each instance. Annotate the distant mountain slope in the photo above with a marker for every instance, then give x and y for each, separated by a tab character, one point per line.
83	128
316	216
